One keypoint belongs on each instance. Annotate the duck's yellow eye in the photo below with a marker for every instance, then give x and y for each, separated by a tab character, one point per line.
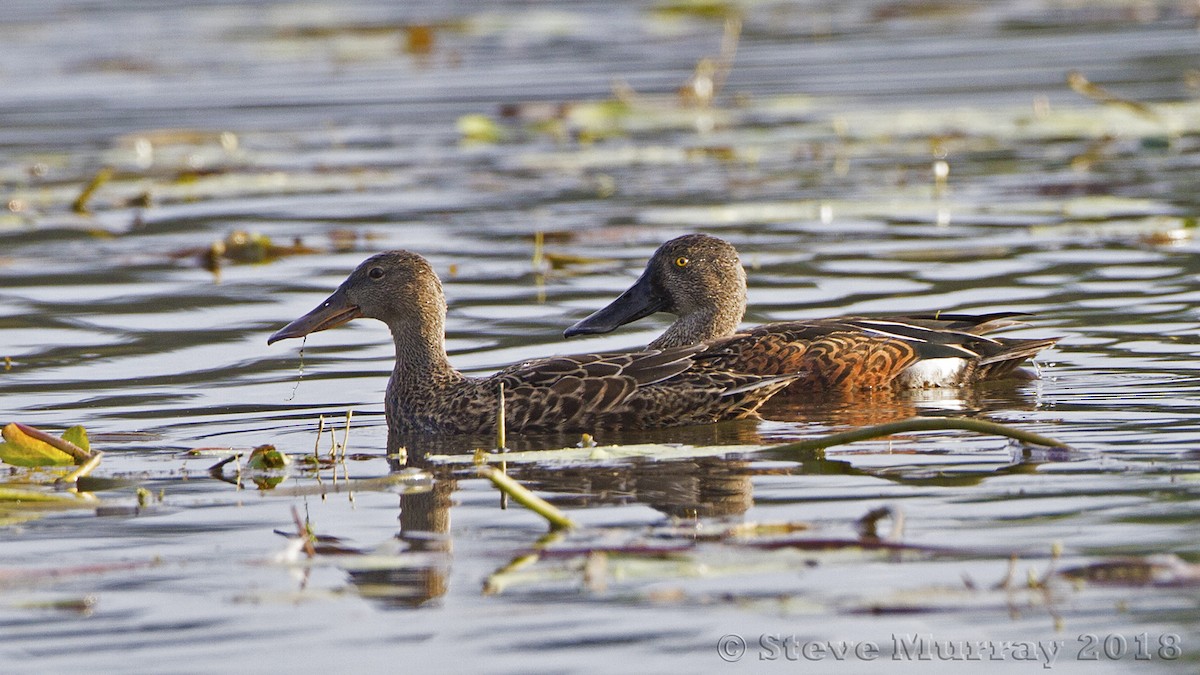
681	262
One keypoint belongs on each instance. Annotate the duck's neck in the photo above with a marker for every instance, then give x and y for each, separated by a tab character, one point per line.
698	326
712	310
421	361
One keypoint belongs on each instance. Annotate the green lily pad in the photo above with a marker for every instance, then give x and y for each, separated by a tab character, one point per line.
267	458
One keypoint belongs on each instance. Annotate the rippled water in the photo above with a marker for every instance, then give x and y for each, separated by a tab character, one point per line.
339	127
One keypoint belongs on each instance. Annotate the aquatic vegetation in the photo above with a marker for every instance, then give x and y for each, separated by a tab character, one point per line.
102	176
241	247
26	446
25	497
865	156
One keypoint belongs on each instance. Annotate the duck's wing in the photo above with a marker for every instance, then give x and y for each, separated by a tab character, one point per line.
561	391
655	387
958	353
970	323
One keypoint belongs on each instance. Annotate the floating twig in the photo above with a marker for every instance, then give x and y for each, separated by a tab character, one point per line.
304	531
1079	83
102	176
1006	583
521	494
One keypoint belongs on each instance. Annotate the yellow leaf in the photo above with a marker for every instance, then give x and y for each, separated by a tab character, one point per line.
24	450
480	129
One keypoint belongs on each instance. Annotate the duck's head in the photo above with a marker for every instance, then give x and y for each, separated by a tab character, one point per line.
396	287
692	275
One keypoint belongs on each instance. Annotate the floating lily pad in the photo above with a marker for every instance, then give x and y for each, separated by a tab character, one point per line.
267	458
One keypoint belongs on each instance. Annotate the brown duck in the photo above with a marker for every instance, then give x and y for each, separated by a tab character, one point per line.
637	389
699	279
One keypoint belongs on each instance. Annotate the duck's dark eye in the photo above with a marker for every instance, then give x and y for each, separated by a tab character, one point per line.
681	262
376	273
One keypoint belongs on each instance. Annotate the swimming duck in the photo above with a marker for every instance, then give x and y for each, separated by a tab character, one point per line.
637	389
698	278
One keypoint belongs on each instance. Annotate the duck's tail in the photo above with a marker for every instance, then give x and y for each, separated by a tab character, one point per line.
1012	352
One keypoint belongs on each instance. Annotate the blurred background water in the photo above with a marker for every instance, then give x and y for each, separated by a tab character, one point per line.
465	132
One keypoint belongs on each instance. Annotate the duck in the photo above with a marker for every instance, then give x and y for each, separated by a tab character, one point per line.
699	279
645	388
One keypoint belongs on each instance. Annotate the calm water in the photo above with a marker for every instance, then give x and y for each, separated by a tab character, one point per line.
341	127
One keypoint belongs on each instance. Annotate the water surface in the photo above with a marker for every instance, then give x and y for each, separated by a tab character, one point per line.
341	128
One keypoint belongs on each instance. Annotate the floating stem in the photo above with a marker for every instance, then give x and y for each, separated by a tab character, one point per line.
1079	83
102	176
539	250
919	424
346	436
317	443
84	469
521	494
500	440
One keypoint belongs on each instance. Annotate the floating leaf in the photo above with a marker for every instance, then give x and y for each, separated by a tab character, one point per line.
78	436
267	458
21	449
479	129
18	495
18	505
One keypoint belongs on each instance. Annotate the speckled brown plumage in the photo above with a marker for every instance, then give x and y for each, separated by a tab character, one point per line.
698	278
849	353
671	386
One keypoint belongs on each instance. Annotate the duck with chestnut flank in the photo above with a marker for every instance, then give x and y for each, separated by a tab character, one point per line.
654	387
699	279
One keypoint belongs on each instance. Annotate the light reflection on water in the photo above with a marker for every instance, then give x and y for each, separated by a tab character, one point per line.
110	321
